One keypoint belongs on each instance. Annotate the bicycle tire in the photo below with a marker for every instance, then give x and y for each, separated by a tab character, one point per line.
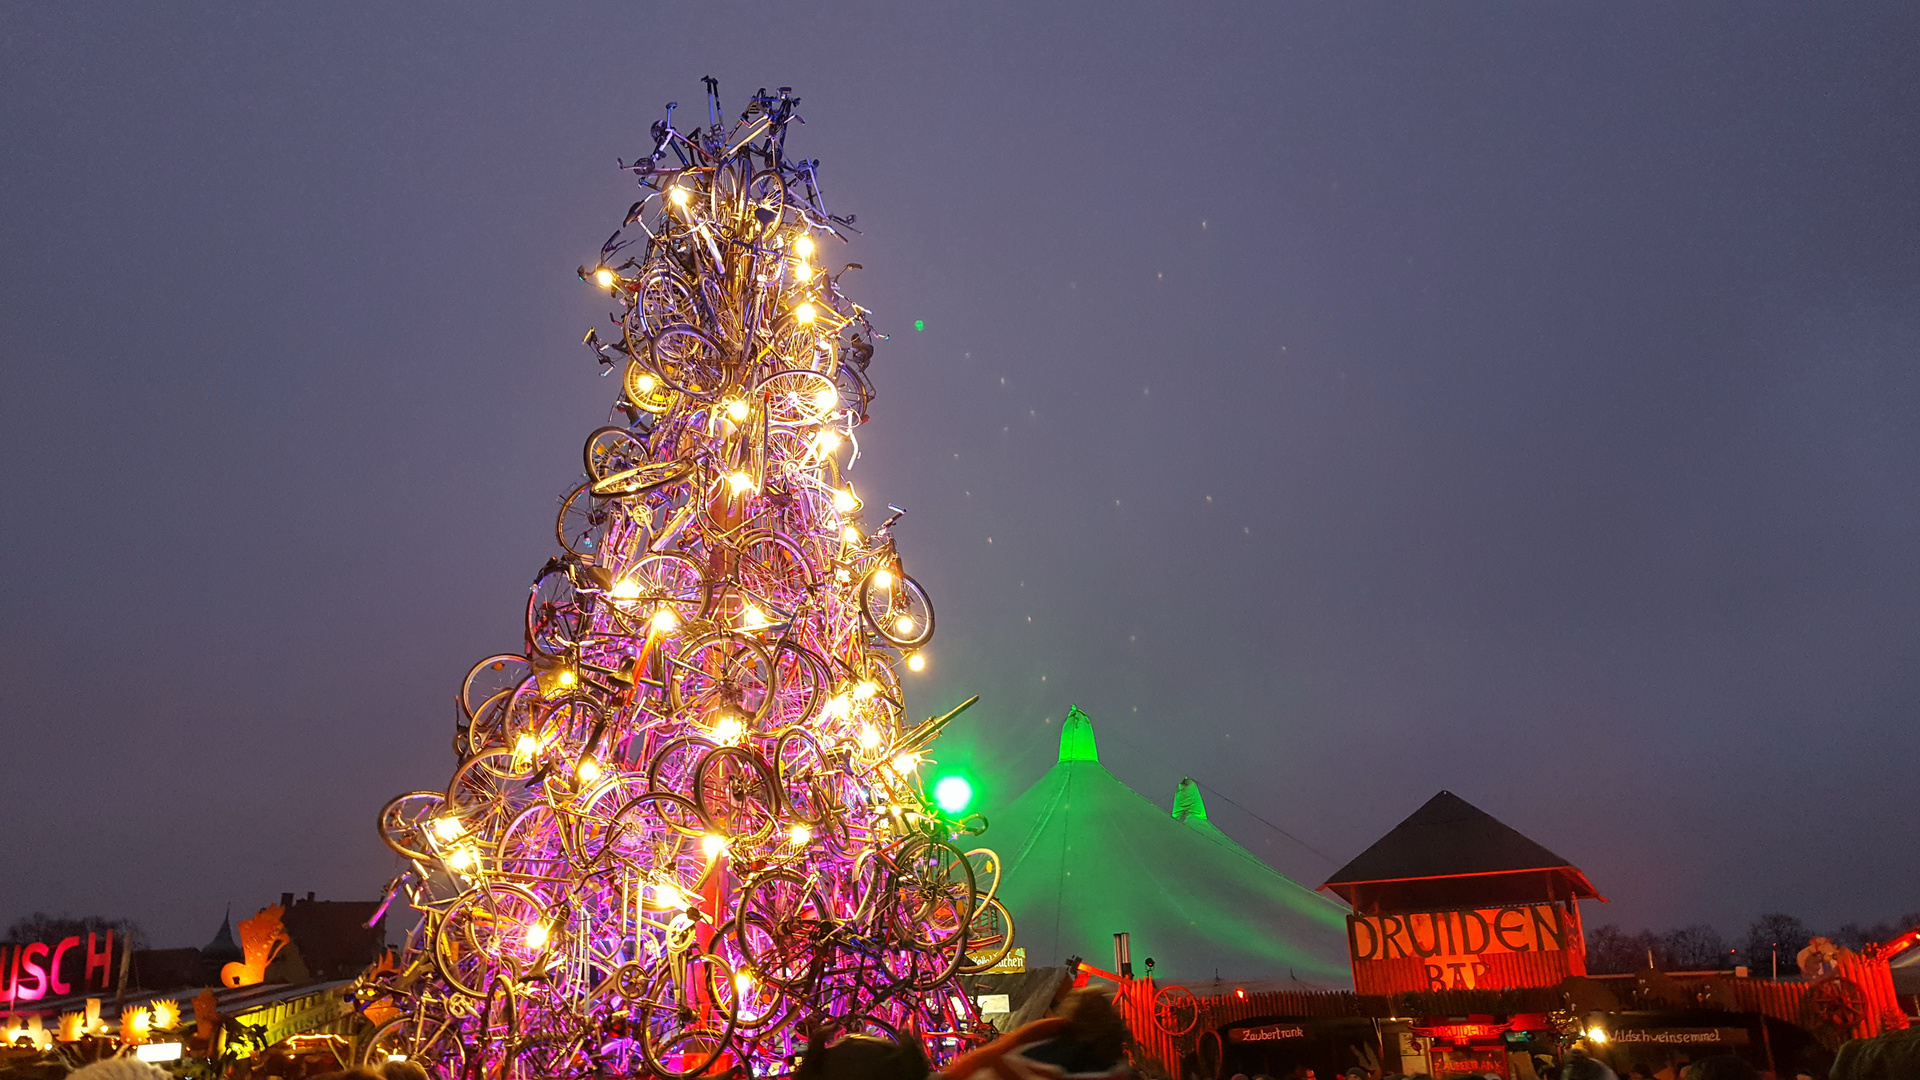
987	945
736	793
905	600
404	820
666	1029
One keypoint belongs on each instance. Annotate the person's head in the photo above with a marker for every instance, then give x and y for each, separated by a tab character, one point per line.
1722	1067
402	1070
1581	1067
1355	1072
862	1057
350	1074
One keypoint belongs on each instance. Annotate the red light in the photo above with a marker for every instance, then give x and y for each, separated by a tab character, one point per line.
1239	992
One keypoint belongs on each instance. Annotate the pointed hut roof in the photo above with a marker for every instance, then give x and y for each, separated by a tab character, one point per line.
1430	857
1086	857
223	946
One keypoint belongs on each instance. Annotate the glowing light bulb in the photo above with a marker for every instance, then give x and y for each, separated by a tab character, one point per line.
736	409
916	662
869	737
461	859
589	770
625	589
396	1057
665	620
903	626
537	936
829	442
851	534
1596	1034
803	247
567	678
826	398
678	195
646	383
743	984
525	745
604	276
804	313
753	618
882	579
866	690
845	501
905	763
837	706
714	845
740	482
799	835
728	728
448	828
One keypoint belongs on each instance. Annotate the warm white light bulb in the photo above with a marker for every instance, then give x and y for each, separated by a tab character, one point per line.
804	313
905	764
625	589
537	936
803	247
604	276
589	770
448	828
799	835
525	744
678	195
916	662
665	620
741	483
869	737
736	409
645	382
851	534
882	579
824	399
713	844
727	728
844	501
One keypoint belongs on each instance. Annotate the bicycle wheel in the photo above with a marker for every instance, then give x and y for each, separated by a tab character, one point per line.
986	873
558	614
930	893
801	770
486	932
534	852
490	676
690	361
798	398
440	1054
664	298
781	920
629	481
406	820
645	389
724	670
663	581
685	1026
759	1004
989	938
802	679
896	607
584	522
736	793
612	449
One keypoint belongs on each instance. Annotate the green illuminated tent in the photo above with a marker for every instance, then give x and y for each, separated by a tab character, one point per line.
1086	857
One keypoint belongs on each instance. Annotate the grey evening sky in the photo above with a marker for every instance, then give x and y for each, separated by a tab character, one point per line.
1338	402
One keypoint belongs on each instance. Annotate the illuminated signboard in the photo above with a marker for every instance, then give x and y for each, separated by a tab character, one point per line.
71	965
1269	1033
1452	945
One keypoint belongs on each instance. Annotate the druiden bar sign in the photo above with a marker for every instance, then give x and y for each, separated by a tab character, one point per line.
1452	944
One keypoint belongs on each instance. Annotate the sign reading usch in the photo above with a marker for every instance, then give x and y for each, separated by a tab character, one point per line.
1453	945
37	970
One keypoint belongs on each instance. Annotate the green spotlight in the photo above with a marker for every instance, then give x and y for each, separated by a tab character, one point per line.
953	794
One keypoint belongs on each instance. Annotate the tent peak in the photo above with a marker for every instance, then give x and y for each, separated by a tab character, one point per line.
1187	802
1076	737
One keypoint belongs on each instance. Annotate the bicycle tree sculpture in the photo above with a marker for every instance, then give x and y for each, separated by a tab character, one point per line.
685	824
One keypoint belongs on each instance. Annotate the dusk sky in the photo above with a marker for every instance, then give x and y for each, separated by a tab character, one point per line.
1339	403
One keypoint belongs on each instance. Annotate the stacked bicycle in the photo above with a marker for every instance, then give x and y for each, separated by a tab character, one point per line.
685	824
